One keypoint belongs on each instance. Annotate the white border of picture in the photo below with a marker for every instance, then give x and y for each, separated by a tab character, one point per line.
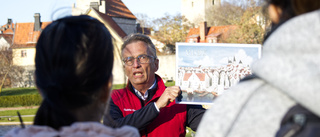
205	69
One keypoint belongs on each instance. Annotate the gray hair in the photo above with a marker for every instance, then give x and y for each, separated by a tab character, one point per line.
139	37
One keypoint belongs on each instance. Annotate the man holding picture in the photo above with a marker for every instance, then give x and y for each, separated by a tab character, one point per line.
146	103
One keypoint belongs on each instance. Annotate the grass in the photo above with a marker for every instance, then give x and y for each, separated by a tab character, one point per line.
190	132
21	111
33	90
14	113
27	91
16	119
169	84
118	86
19	91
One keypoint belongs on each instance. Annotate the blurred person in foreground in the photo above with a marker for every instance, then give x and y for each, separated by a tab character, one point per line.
146	103
287	74
74	60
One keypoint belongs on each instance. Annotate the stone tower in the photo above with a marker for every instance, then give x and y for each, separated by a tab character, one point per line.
196	10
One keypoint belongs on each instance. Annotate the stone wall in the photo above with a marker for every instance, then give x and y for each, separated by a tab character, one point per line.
22	76
167	67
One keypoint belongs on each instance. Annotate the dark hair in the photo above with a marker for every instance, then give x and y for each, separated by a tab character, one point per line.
139	37
290	9
74	60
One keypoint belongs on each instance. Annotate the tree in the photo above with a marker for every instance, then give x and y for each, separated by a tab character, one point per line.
246	15
249	31
144	20
225	14
171	29
7	70
5	67
251	26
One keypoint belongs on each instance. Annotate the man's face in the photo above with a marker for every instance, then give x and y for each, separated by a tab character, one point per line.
138	73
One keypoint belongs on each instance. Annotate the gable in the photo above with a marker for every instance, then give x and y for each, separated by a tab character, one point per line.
108	21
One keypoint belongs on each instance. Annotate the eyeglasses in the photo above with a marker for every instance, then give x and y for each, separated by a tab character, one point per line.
141	59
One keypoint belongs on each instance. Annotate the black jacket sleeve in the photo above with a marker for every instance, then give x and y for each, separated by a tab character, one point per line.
194	116
139	119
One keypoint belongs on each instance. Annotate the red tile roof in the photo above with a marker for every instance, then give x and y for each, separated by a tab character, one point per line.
220	29
201	76
116	8
186	76
25	36
7	29
213	31
194	31
112	23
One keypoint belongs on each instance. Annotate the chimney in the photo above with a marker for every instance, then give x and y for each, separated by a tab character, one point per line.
9	21
94	5
203	31
37	23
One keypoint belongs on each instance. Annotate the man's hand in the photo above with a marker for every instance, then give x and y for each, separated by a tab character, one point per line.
168	96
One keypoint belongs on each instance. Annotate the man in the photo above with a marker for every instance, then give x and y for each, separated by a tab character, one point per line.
146	103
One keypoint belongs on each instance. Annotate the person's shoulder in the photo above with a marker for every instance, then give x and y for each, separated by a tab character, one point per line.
118	93
227	107
33	130
119	90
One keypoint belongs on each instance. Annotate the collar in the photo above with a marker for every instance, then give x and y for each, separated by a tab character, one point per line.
145	96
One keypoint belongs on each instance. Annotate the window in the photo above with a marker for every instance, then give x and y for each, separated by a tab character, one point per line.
212	2
213	40
23	53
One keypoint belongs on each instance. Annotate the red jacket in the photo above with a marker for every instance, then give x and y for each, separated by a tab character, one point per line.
171	121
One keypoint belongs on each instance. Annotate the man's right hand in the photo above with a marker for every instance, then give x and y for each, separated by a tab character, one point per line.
168	96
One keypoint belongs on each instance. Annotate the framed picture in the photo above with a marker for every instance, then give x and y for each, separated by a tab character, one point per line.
205	70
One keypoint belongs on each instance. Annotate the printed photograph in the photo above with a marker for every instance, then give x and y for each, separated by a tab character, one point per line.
207	70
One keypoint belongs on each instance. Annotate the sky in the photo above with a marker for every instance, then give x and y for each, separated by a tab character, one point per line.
23	10
205	55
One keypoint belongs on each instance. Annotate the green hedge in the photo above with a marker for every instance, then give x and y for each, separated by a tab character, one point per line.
23	100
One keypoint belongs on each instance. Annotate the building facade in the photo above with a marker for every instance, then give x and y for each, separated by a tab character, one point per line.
197	11
116	9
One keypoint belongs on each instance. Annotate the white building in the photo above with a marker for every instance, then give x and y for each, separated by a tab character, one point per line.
113	8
